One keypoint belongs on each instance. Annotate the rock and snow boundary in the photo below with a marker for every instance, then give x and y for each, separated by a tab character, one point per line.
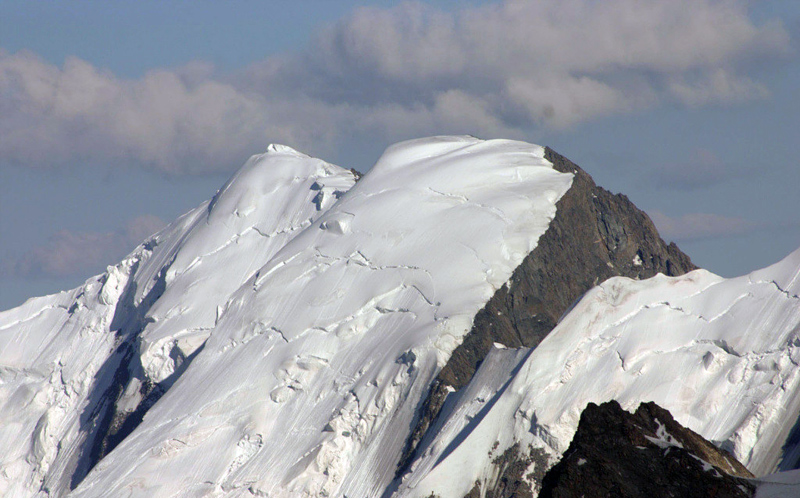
721	354
288	329
309	359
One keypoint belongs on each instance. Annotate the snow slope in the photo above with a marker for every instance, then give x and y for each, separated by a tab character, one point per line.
309	382
61	355
721	354
296	321
314	322
780	485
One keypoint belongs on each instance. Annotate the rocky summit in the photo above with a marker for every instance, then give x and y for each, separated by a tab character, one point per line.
644	454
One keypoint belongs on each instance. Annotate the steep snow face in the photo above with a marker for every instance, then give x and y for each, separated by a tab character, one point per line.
308	383
51	349
721	355
263	206
62	356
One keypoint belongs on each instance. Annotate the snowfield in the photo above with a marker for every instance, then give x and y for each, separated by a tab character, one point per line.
720	354
295	322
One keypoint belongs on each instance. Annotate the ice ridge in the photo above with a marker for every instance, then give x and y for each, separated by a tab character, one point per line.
308	381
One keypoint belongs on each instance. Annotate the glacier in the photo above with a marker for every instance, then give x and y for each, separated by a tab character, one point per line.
721	354
60	355
279	339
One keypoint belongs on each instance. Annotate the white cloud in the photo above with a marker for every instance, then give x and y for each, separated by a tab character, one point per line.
695	226
385	74
68	253
51	115
564	101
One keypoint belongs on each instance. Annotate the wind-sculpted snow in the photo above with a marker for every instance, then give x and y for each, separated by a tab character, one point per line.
309	381
73	362
263	206
721	355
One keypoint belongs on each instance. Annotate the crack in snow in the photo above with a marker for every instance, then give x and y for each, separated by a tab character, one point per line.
783	291
673	307
720	343
775	284
621	362
466	200
292	228
259	278
280	333
236	237
8	373
729	308
362	260
462	198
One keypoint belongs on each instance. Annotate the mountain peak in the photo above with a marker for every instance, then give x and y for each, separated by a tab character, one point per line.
346	325
282	338
283	149
462	150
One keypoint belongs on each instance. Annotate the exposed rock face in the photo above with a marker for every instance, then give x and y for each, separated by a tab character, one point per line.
595	235
512	478
642	454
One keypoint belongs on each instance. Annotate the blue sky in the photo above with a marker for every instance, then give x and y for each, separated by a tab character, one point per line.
116	117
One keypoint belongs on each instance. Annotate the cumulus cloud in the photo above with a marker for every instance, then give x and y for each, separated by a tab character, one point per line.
695	226
384	74
68	253
165	119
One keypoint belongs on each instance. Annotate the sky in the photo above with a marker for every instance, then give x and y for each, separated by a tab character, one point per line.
117	117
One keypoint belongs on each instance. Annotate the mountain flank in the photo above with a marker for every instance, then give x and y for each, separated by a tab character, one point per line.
595	235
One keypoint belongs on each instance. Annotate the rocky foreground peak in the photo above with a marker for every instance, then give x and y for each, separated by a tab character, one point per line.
616	453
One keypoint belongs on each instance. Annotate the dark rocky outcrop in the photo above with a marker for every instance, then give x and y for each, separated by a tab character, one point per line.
512	466
595	235
104	423
648	454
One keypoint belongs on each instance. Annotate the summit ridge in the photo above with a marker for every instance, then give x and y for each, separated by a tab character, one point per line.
312	332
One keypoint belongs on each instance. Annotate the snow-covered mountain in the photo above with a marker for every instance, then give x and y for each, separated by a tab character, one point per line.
74	366
721	354
306	334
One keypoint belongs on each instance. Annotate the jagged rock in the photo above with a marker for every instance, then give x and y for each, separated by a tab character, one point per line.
512	479
647	453
595	235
